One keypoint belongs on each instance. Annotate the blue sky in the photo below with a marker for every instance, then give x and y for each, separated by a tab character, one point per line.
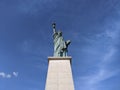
26	41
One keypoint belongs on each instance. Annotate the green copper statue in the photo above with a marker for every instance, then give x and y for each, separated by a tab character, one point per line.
60	46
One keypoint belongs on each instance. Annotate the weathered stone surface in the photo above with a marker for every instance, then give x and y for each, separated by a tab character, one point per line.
59	75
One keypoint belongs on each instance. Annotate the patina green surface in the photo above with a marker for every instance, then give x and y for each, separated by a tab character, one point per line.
60	45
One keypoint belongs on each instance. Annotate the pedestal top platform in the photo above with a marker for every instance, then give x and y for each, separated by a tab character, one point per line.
59	58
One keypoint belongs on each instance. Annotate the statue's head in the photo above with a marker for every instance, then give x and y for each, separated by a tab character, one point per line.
60	33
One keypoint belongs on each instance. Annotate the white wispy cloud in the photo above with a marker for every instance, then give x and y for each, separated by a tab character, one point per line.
110	38
15	74
90	82
33	6
2	74
101	76
108	55
113	33
6	75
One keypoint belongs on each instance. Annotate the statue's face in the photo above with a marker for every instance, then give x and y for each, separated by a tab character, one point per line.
60	33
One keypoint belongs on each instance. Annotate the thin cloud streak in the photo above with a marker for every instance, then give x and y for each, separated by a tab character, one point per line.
91	82
101	76
8	76
4	75
34	6
15	74
111	35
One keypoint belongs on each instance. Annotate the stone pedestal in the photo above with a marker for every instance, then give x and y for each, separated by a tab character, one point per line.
59	75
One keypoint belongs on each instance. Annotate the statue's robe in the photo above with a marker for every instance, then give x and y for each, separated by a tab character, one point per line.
59	44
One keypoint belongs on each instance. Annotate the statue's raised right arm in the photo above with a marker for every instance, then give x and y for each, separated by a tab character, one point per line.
54	27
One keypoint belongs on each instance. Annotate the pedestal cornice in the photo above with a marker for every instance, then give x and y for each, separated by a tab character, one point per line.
60	58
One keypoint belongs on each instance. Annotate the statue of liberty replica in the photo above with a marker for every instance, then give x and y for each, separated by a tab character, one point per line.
59	75
60	45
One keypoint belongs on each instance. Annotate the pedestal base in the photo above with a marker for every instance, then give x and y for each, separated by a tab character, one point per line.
59	76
